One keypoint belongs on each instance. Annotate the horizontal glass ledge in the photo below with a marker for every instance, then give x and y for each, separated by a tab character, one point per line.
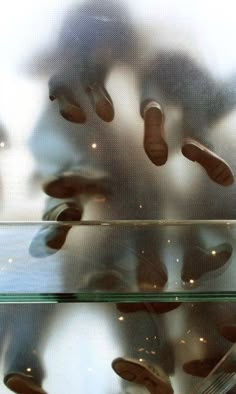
114	261
138	222
79	297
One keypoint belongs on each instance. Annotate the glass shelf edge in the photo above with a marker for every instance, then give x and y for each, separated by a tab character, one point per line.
124	222
118	297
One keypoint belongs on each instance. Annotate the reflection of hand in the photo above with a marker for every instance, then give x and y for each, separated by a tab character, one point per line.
63	90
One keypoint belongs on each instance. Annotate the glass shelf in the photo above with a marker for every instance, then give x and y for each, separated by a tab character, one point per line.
114	261
148	270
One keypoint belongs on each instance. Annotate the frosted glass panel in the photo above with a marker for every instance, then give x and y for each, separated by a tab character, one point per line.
117	261
117	167
63	347
101	62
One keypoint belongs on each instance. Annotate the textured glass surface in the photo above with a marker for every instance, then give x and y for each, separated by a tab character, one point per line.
194	72
222	377
80	142
71	346
117	196
120	260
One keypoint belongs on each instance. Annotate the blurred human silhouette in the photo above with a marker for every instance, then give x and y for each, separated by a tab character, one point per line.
90	166
99	35
177	78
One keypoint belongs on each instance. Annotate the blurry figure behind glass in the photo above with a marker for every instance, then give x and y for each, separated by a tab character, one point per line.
99	35
88	162
91	163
